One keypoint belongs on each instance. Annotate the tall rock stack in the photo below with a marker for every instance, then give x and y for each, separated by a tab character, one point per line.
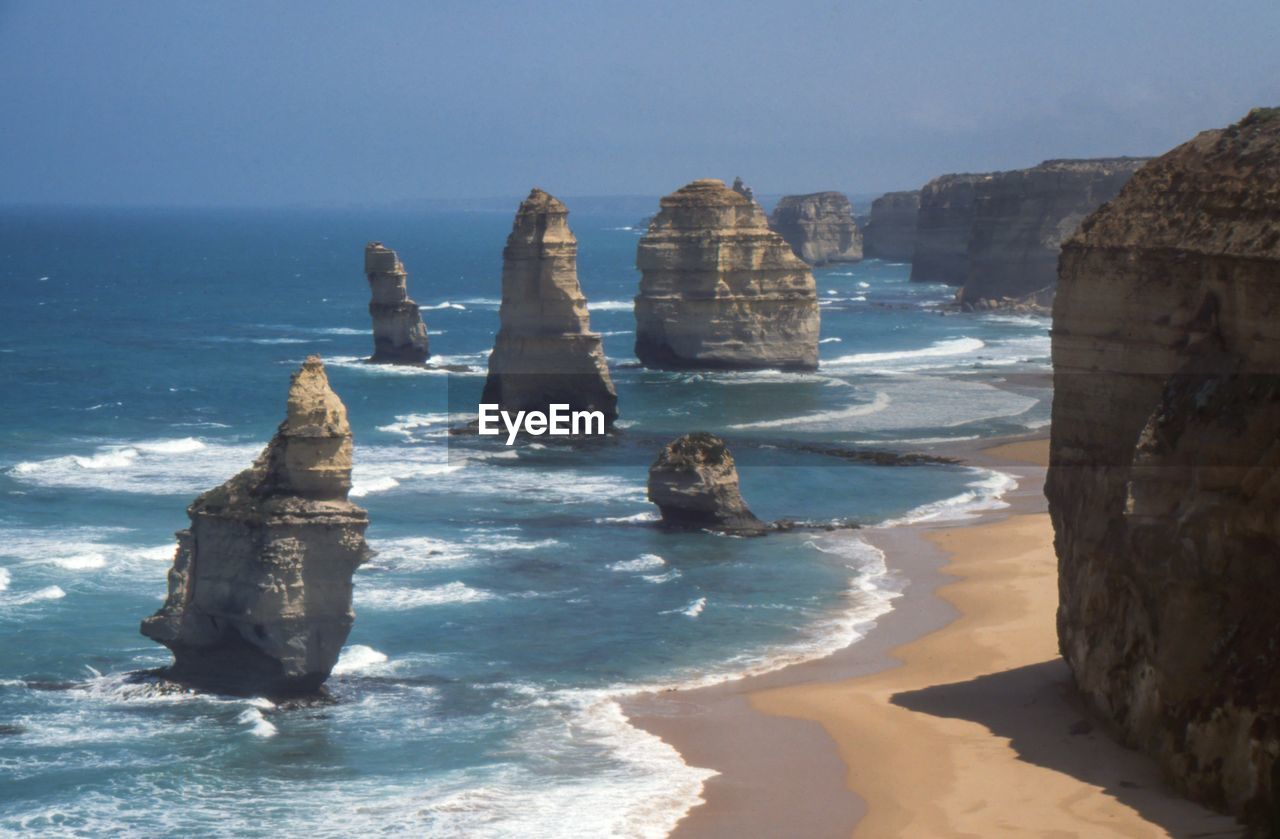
890	233
719	289
1164	487
399	335
545	352
260	590
819	227
943	224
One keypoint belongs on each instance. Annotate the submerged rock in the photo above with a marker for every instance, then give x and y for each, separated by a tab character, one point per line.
399	335
819	227
694	483
890	233
545	351
260	590
1164	485
719	289
943	224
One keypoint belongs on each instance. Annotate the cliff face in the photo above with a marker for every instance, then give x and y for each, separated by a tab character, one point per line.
1164	487
891	233
260	590
719	289
545	351
942	229
1020	219
819	227
694	482
399	335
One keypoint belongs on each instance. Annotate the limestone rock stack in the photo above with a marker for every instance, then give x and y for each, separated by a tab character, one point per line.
399	335
694	483
943	224
890	233
819	227
545	351
719	289
260	590
1164	486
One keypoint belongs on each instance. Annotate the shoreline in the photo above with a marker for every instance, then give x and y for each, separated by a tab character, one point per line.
799	750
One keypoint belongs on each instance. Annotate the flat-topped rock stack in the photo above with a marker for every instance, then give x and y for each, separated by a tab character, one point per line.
819	227
694	484
943	224
260	591
545	352
399	335
890	233
719	289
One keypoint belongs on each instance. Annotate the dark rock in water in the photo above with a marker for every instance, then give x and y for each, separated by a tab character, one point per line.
260	590
943	224
399	335
819	227
694	483
891	232
545	352
1164	483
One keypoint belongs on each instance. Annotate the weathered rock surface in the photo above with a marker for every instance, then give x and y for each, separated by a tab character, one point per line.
743	190
694	483
260	590
399	335
1021	218
545	351
943	224
1164	487
891	233
819	227
719	289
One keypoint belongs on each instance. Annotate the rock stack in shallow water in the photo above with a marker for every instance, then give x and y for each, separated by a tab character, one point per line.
819	227
545	352
890	233
399	335
943	224
260	590
719	289
1164	487
694	483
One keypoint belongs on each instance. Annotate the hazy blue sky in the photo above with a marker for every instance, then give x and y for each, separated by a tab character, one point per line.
173	102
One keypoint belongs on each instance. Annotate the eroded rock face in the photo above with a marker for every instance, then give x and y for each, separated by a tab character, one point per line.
260	590
694	483
891	233
1164	487
719	289
942	229
819	227
399	335
545	352
1021	218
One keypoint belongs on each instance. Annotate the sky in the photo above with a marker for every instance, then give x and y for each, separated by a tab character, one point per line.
177	102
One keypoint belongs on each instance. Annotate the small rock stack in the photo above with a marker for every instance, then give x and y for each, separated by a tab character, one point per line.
694	483
399	335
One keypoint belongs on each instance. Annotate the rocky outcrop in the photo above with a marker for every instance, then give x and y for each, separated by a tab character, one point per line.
399	335
719	289
743	190
260	590
891	233
545	351
1021	218
694	483
1164	487
819	227
943	224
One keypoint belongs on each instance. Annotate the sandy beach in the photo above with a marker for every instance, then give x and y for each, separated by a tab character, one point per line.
955	716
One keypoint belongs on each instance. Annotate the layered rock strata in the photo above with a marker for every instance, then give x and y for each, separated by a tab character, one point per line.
694	483
260	590
719	289
943	224
1164	486
399	335
890	233
545	352
819	227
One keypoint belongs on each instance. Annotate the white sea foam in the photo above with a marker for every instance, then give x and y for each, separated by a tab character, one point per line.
357	658
5	578
830	341
644	562
691	610
986	492
359	489
259	726
950	347
400	599
610	305
636	518
342	330
80	562
29	597
445	305
879	403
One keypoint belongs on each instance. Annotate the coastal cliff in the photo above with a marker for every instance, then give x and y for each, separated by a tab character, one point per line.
890	233
545	351
399	335
1163	487
694	483
260	590
819	227
719	289
943	224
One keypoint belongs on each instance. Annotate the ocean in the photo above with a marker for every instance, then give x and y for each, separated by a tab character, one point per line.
517	593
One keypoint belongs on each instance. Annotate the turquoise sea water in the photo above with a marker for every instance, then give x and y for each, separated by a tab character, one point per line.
517	592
